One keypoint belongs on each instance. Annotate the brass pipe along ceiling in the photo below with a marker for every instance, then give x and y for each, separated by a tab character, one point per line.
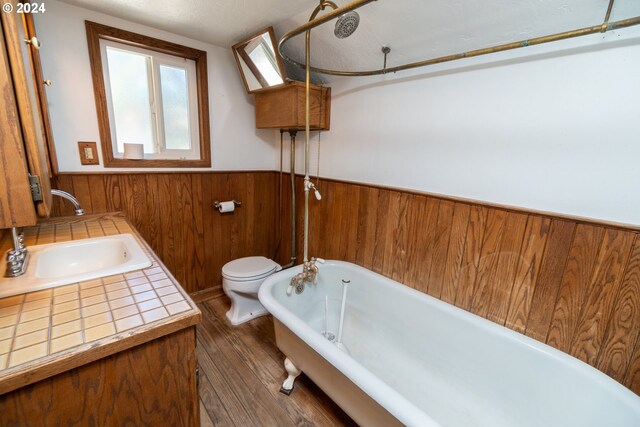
315	22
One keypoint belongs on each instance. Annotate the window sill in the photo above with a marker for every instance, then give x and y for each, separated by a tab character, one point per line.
157	163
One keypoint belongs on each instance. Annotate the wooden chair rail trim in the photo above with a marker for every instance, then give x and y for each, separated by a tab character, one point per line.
144	172
508	208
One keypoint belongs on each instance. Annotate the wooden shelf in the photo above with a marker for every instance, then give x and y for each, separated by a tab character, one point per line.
283	107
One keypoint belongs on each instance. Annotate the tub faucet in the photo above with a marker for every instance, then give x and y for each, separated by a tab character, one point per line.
309	274
78	210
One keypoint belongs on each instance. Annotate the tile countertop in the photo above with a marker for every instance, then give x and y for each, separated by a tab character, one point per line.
47	332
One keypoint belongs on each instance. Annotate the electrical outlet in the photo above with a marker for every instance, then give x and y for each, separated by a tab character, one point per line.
88	153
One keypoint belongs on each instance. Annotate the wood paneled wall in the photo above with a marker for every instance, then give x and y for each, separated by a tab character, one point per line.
174	213
571	284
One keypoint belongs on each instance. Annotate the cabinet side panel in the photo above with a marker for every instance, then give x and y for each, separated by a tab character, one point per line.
16	207
28	103
151	384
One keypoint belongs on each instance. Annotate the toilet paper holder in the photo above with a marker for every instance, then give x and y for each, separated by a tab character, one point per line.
216	204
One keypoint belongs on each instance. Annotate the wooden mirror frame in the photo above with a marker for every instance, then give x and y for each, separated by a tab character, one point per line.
236	48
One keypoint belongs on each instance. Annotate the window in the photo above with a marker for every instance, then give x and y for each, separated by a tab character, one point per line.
149	92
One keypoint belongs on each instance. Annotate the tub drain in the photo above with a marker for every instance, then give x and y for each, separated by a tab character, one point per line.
329	335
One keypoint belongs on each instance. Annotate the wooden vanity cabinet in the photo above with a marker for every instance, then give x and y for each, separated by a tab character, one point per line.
23	148
152	384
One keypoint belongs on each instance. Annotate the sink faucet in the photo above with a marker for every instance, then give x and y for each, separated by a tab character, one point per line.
18	257
79	211
309	274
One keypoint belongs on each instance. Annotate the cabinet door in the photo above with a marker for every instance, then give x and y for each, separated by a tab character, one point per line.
16	206
41	84
27	99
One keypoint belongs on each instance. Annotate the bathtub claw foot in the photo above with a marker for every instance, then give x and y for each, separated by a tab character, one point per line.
293	371
285	391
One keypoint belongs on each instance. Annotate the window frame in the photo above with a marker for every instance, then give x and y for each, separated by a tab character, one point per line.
97	32
155	91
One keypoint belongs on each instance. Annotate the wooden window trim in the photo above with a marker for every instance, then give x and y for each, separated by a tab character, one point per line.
95	32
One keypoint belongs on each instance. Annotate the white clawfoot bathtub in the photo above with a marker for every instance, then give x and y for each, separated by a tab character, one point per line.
418	361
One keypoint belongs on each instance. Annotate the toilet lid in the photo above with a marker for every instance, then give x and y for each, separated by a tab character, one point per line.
252	266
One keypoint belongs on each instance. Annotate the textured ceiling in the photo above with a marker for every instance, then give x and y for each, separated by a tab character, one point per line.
219	22
420	29
414	29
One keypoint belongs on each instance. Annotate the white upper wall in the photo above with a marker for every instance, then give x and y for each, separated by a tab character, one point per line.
553	128
235	143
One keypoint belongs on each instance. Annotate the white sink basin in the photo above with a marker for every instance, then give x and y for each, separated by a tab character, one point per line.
58	264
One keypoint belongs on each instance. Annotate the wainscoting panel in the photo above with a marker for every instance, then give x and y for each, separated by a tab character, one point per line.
174	213
570	283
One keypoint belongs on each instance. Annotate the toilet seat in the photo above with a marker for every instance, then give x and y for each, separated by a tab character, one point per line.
249	269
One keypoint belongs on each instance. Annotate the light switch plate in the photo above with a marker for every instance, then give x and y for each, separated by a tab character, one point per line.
88	153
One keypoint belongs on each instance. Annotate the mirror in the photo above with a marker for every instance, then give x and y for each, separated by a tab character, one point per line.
259	63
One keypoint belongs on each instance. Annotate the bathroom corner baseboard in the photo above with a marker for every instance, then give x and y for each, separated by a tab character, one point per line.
207	294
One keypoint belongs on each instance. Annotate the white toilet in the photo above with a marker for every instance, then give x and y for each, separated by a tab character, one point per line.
241	280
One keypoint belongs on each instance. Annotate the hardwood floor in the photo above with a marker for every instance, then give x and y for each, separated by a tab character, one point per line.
240	376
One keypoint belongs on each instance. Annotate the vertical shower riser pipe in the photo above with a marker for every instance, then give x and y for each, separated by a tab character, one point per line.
307	118
307	125
292	135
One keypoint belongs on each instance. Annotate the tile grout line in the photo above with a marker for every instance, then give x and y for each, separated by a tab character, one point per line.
135	301
50	326
15	331
81	308
106	295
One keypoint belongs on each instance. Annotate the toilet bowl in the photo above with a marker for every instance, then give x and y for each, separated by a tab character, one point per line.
241	280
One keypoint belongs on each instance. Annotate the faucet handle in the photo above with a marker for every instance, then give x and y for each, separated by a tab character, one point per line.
320	260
